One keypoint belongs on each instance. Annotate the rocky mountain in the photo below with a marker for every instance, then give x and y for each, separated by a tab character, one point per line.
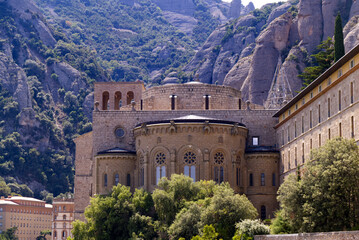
245	52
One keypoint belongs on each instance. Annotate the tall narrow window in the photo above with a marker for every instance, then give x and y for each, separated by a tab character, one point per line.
295	129
288	160
310	119
273	180
105	180
173	102
128	180
218	169
340	129
320	140
311	144
282	137
340	73
190	161
329	134
118	96
352	126
263	182
340	100
288	132
302	152
302	124
105	98
206	102
130	97
319	114
351	92
263	213
328	107
251	179
240	104
295	157
117	179
160	160
141	104
255	141
238	175
352	63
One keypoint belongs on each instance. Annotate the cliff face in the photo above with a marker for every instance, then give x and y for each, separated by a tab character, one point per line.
245	52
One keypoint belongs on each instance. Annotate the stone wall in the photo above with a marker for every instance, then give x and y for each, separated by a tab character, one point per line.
191	96
353	235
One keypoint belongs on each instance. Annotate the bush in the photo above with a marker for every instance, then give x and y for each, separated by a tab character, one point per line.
248	228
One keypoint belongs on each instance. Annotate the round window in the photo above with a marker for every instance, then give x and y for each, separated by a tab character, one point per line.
119	132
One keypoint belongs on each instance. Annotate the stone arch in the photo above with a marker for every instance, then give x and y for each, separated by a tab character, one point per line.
118	96
130	97
105	100
184	154
159	162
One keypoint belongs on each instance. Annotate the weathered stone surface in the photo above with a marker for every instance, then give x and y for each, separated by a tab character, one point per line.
185	7
249	8
310	23
354	10
236	76
330	9
235	8
14	80
351	33
69	78
278	11
183	22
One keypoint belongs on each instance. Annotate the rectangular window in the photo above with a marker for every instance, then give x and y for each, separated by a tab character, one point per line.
141	104
240	104
352	63
311	144
193	173
295	157
329	133
273	180
303	101
288	160
251	179
302	124
351	92
319	113
352	126
320	88
328	107
255	141
206	107
173	102
320	140
263	182
289	112
310	119
295	129
329	81
296	106
282	137
340	129
302	152
340	100
311	95
288	132
340	73
105	180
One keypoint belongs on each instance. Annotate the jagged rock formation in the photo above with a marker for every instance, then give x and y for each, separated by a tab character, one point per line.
243	55
235	8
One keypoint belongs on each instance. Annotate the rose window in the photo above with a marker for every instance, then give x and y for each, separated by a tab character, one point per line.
160	158
189	158
219	158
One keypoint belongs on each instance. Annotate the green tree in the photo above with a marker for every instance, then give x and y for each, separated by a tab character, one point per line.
4	189
330	180
208	233
319	62
339	50
9	234
43	235
280	225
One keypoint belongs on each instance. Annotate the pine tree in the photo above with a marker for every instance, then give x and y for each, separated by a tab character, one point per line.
338	39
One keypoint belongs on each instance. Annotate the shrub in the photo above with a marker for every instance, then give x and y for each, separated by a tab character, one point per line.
248	228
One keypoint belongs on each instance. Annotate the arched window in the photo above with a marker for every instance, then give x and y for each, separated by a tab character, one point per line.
218	167
118	102
105	98
105	180
55	234
128	180
190	164
130	97
141	176
263	212
64	234
64	217
117	179
160	160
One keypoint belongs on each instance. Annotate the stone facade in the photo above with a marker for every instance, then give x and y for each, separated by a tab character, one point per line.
200	130
63	216
352	235
328	108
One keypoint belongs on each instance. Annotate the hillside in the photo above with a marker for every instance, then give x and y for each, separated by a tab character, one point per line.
271	45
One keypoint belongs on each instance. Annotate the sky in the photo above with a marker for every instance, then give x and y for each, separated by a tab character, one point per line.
257	3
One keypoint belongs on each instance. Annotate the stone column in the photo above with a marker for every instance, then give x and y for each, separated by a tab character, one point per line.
146	172
206	164
173	162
